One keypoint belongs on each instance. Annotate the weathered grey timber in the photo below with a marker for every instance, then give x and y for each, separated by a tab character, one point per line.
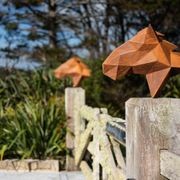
170	165
89	128
152	125
152	130
74	99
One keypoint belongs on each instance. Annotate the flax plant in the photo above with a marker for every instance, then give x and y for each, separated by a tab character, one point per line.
32	118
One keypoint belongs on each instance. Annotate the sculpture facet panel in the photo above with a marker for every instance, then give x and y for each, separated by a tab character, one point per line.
73	68
146	53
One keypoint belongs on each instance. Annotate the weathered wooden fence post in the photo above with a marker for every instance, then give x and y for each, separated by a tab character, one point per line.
74	100
153	125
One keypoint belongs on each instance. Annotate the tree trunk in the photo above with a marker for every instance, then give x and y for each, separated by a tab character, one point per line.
53	39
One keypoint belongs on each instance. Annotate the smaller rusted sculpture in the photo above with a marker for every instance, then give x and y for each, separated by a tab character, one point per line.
146	53
73	68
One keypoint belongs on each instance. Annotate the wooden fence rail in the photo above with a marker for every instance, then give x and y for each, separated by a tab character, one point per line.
150	133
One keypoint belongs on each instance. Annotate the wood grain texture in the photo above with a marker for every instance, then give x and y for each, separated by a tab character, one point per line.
170	165
152	125
74	100
87	131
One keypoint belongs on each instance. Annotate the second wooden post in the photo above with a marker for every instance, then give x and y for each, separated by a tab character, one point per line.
152	126
74	100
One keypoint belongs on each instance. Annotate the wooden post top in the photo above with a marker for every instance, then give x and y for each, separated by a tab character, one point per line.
146	100
74	88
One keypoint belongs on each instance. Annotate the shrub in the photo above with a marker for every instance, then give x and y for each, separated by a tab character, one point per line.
32	118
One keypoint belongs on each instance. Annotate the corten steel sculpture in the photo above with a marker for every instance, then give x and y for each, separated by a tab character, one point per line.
146	53
73	68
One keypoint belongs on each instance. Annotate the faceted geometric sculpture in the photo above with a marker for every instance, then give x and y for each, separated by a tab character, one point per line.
146	53
73	68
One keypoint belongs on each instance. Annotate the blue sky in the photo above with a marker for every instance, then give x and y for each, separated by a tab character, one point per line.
22	63
24	27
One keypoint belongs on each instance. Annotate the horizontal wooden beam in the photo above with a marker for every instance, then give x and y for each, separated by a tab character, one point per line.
169	165
116	129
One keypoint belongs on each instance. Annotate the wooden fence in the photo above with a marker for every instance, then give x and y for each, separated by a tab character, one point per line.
151	134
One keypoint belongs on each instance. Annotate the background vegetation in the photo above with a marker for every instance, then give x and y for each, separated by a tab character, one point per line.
53	30
32	119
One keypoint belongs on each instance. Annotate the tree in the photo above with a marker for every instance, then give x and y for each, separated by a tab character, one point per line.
37	27
106	24
91	28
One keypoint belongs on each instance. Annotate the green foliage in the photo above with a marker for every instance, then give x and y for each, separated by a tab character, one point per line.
94	84
103	92
32	119
33	129
172	88
39	85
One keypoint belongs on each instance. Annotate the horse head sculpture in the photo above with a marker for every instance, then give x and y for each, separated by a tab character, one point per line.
146	53
73	68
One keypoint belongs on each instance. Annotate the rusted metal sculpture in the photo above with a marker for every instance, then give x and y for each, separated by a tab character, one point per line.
146	53
73	68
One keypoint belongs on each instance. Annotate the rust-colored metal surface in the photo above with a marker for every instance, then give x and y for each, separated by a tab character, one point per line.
146	53
73	68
